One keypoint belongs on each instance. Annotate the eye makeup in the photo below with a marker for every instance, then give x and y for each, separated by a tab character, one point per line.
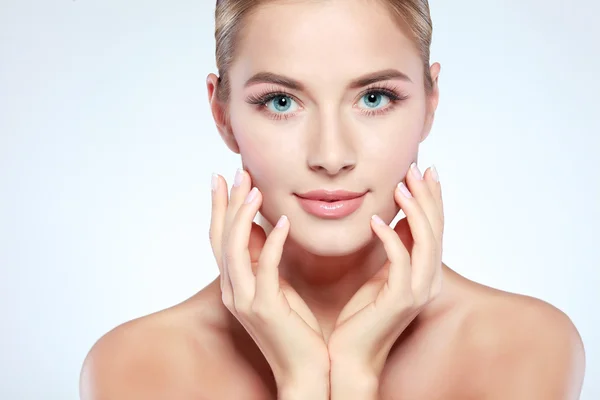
263	99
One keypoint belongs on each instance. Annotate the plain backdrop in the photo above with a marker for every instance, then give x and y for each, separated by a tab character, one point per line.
107	146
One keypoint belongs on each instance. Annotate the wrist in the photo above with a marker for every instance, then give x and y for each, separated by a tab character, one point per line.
308	389
310	383
349	380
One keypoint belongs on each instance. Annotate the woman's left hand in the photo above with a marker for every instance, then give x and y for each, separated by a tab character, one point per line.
384	306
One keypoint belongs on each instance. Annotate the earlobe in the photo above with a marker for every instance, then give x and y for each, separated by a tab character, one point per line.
219	113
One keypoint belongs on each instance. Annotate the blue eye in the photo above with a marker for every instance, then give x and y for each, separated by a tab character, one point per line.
375	99
280	103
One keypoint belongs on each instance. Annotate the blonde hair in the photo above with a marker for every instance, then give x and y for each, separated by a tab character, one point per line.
229	21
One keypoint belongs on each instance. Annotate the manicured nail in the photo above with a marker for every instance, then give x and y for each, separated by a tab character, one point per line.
377	219
434	174
239	177
251	196
404	190
416	172
214	182
281	221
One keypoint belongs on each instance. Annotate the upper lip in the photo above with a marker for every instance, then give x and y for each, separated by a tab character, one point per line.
330	195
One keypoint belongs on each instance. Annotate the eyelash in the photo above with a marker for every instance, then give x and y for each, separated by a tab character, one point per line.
260	100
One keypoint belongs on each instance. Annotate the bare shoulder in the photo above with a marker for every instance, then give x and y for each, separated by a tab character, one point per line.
524	347
175	353
139	359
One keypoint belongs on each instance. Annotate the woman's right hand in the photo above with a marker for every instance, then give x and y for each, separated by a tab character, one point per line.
271	311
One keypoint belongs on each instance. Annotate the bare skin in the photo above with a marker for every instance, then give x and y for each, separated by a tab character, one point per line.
469	342
472	342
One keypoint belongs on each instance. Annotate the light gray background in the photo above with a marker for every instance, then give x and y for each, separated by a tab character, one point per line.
107	146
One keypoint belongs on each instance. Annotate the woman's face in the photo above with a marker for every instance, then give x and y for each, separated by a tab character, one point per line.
327	95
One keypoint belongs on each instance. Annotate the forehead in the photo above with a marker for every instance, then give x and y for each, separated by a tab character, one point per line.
327	40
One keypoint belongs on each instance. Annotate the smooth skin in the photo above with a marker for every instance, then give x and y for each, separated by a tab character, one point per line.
280	322
467	341
369	325
344	309
274	315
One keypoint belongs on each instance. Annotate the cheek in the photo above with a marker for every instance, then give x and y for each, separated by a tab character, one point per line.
265	162
264	172
271	172
268	152
254	152
390	153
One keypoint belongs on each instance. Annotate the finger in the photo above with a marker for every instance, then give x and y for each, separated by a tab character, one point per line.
267	275
217	220
432	179
421	190
239	191
239	267
424	242
219	209
399	275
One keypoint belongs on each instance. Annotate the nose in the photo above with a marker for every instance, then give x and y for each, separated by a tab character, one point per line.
331	148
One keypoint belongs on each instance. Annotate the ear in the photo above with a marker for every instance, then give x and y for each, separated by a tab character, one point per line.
220	113
432	101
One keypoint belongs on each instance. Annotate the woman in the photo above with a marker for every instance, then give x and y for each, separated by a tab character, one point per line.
327	103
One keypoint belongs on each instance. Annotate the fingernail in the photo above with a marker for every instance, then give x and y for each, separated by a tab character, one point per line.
416	172
281	221
404	190
377	219
434	174
239	177
214	182
251	195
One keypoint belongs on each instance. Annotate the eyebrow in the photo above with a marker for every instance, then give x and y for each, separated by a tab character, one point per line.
368	79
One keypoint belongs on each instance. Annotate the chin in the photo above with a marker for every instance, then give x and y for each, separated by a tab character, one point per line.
329	238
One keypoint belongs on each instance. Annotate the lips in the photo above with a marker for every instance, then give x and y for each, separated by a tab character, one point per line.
330	195
331	204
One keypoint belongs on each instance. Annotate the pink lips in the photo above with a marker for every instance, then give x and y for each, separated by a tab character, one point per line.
331	204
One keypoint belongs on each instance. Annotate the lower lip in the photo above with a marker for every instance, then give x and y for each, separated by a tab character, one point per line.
333	210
